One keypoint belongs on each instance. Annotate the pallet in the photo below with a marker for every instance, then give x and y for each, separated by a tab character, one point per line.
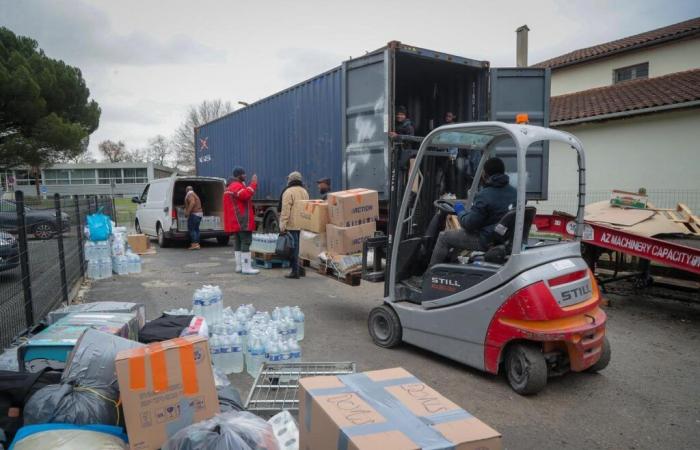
309	263
351	279
269	261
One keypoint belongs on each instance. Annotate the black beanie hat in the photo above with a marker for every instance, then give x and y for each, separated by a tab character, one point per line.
401	110
238	171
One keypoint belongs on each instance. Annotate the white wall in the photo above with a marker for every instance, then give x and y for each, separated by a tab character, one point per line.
663	59
660	152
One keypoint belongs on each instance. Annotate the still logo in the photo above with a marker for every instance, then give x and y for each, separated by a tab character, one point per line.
575	293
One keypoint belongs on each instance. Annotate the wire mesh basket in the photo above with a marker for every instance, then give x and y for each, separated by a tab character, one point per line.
276	387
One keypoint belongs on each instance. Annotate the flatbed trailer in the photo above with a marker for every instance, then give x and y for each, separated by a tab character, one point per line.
682	253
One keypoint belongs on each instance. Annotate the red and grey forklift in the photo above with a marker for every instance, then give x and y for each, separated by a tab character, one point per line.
526	307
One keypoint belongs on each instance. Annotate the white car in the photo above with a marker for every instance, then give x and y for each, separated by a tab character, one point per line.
160	211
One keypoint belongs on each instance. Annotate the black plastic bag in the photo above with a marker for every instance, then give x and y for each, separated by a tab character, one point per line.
285	245
163	328
63	403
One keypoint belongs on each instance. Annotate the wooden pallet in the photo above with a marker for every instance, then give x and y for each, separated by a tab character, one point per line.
269	260
683	215
351	279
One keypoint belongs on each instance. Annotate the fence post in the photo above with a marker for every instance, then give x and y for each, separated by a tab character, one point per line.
79	234
24	259
114	210
61	252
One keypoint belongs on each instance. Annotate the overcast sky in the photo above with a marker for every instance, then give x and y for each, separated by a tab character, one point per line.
145	61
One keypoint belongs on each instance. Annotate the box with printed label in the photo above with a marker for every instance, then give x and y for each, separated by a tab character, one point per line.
385	409
353	207
348	240
311	245
165	386
311	215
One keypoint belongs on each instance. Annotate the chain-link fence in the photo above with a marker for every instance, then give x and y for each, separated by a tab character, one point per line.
41	256
661	198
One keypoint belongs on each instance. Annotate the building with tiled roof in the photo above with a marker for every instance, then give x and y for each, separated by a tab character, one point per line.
635	104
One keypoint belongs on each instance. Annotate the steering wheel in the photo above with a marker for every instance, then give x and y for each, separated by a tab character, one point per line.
446	206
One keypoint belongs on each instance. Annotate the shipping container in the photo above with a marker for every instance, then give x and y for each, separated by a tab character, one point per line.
336	124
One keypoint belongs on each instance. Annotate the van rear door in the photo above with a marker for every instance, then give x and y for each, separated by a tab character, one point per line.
523	90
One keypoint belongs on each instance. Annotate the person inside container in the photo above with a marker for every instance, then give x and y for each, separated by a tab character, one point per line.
292	194
491	203
194	214
403	125
239	218
324	187
450	118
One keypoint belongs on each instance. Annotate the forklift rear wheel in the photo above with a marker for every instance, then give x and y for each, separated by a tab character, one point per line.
384	326
604	359
526	368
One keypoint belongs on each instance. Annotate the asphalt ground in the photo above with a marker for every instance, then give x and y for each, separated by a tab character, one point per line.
648	397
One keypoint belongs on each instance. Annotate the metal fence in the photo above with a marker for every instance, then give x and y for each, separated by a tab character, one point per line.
41	256
660	198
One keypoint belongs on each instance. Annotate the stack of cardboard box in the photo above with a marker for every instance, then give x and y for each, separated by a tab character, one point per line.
338	226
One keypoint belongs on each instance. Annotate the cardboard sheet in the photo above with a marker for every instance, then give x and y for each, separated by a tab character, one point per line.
644	222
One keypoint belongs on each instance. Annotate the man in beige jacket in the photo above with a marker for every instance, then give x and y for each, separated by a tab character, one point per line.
293	194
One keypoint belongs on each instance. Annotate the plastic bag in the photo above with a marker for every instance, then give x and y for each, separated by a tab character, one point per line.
62	403
229	398
99	226
286	430
226	431
285	245
70	437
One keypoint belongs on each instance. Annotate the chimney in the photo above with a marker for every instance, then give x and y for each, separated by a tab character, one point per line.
521	46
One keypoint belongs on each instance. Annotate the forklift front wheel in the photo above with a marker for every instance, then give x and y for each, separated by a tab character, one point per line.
384	326
526	368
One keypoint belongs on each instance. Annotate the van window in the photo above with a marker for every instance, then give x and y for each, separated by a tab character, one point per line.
144	196
157	191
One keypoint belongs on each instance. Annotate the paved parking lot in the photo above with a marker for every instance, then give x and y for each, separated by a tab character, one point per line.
649	397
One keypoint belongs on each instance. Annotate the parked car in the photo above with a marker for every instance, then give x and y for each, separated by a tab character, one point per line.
9	252
161	209
39	222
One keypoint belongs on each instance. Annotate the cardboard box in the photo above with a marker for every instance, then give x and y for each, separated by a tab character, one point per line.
165	387
628	199
139	243
353	207
348	240
385	409
311	245
311	215
102	307
52	346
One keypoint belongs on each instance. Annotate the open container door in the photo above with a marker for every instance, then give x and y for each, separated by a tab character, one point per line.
366	122
523	90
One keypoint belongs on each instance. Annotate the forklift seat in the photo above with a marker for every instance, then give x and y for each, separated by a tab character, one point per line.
502	244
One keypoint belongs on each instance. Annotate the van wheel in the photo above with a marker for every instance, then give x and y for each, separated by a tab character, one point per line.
526	369
137	226
604	359
384	326
223	240
163	242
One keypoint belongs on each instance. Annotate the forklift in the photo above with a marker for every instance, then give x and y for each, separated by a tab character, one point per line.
527	307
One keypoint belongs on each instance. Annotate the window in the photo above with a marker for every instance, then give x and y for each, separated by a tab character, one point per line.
106	176
631	73
144	196
135	176
24	178
56	176
83	176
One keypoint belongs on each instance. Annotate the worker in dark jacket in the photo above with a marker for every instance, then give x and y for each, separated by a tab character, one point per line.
324	187
491	203
403	126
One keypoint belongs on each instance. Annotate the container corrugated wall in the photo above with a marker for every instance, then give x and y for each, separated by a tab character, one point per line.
296	129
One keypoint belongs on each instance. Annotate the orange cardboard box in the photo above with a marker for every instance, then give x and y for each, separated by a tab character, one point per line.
311	215
353	207
348	240
165	386
385	409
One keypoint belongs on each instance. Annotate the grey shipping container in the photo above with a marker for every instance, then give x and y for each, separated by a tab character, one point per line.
336	124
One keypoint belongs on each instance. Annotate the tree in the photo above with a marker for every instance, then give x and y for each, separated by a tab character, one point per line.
45	112
114	151
159	151
183	141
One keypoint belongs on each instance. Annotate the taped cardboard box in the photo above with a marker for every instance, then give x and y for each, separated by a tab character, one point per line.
139	243
165	387
353	207
311	245
385	409
311	215
348	240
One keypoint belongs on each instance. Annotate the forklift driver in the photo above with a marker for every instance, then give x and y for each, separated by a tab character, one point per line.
490	204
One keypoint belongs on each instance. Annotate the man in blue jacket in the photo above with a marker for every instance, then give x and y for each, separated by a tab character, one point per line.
491	203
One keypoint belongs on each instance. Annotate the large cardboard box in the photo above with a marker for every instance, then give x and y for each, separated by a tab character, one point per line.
385	409
165	387
348	240
353	207
311	215
139	243
311	245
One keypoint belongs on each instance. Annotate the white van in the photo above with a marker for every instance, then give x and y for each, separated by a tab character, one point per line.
160	211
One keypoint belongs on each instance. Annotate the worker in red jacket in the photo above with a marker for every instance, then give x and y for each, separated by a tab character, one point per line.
239	218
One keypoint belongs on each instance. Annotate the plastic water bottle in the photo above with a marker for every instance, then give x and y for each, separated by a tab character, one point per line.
298	316
273	352
198	304
214	349
294	351
257	357
237	361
